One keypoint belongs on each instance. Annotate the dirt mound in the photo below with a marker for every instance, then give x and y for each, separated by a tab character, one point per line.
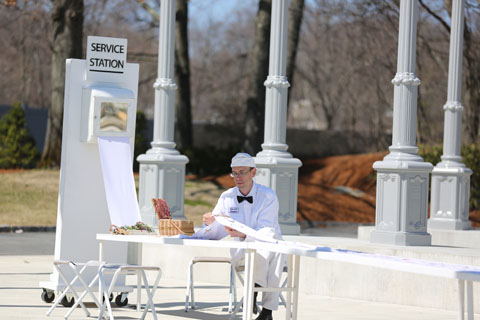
339	188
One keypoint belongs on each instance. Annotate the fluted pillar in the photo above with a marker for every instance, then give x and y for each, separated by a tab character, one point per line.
402	176
162	168
276	168
451	178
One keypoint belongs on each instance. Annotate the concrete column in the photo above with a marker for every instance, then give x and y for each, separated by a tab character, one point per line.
450	178
402	176
276	168
162	168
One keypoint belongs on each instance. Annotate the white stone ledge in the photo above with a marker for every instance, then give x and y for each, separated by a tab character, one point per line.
340	279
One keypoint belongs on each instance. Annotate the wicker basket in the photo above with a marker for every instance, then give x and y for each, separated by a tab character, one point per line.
172	227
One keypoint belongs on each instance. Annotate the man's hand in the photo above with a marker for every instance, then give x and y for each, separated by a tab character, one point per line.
208	218
234	233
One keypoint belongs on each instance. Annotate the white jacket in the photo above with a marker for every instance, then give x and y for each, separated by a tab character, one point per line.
261	215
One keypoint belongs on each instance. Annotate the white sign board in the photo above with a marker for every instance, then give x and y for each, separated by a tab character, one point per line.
106	57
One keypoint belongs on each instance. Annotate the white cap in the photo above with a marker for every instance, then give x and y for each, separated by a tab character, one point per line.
243	160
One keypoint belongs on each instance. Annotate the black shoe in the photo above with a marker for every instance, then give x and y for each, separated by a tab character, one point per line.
265	314
255	309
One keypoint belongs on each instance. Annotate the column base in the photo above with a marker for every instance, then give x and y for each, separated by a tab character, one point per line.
450	196
449	224
401	208
281	175
290	228
162	175
401	238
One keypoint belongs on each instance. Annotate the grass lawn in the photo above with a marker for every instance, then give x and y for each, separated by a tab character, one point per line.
29	198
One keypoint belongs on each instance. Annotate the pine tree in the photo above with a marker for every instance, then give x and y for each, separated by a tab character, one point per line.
17	146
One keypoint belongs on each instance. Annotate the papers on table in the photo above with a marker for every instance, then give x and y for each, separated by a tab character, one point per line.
240	227
204	233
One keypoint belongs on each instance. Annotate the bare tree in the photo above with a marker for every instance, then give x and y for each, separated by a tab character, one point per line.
295	17
183	113
258	72
25	49
472	55
67	18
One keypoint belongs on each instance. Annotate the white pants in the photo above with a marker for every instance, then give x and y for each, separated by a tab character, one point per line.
267	273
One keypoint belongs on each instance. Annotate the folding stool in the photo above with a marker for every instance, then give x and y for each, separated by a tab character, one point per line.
78	269
191	287
127	269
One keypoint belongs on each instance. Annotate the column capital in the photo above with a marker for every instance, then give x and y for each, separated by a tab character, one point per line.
406	78
165	84
276	82
454	106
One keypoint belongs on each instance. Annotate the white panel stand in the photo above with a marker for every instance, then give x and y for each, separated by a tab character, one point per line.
402	176
277	168
162	168
451	178
82	204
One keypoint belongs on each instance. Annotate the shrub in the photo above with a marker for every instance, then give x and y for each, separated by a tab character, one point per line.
17	146
471	159
431	153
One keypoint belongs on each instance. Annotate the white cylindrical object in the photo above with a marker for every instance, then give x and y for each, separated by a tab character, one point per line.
453	107
277	84
450	191
164	116
406	82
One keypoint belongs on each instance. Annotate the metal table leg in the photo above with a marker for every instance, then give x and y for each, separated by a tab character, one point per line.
249	284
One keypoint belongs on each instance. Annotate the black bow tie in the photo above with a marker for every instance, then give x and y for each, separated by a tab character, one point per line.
249	199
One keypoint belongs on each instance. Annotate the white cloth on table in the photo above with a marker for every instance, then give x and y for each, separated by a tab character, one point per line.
262	216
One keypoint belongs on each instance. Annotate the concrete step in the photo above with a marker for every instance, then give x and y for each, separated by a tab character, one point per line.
452	238
343	280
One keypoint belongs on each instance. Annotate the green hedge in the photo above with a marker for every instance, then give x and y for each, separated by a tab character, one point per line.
17	146
471	158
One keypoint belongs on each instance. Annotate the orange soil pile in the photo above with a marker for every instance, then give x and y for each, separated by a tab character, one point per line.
339	188
11	170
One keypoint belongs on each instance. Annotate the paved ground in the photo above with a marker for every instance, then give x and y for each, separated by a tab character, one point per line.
27	243
26	260
20	299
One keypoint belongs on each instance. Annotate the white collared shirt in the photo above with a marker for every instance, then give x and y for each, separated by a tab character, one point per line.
261	215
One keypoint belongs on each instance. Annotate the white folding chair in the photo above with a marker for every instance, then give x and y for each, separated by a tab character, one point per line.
240	271
78	269
128	269
191	287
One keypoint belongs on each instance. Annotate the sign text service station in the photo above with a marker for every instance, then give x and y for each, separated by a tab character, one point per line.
106	55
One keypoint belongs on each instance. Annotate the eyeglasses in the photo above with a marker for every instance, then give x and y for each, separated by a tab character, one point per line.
240	173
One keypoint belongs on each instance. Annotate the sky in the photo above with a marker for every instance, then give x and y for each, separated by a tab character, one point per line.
215	10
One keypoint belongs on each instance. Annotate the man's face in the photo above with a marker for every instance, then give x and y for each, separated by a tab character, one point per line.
243	176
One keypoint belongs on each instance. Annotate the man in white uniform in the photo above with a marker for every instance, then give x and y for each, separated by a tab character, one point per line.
257	207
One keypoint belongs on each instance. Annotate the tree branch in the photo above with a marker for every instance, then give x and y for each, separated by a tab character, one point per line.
436	16
149	9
